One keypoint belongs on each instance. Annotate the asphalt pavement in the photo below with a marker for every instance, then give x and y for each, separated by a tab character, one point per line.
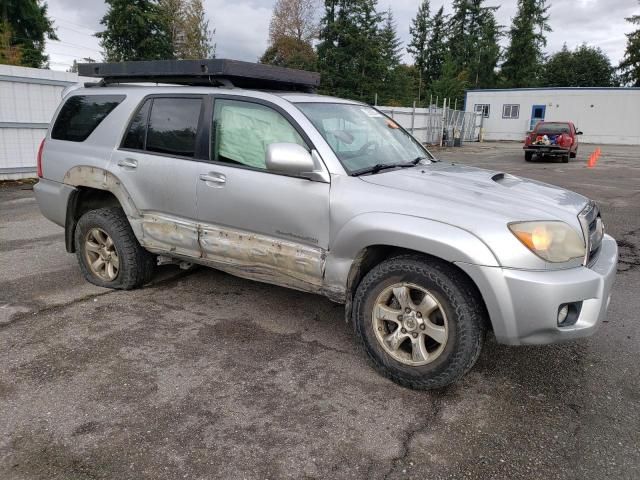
203	375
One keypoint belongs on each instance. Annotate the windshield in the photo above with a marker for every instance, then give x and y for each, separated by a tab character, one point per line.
362	137
553	128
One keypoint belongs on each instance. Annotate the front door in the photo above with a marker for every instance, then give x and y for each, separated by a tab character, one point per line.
257	223
537	115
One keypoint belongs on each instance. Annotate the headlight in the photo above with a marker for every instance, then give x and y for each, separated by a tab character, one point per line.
552	241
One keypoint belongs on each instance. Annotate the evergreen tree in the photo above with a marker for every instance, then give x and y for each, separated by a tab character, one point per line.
451	84
350	50
585	67
437	47
135	30
473	41
630	65
24	27
458	35
419	46
524	56
483	70
391	46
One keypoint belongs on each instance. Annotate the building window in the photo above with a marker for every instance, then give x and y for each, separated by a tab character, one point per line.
482	108
510	111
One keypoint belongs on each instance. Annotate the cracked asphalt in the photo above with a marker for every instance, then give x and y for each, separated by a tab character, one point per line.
202	375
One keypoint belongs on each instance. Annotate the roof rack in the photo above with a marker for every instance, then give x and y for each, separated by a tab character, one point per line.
213	72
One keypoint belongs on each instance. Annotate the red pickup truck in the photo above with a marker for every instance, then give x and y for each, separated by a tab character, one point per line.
556	139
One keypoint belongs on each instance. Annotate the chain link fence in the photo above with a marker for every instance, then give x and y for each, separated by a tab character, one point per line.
438	125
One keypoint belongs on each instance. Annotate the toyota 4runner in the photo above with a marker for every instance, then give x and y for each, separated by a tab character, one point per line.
323	195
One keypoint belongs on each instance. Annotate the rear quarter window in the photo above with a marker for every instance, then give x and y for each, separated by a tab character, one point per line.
81	114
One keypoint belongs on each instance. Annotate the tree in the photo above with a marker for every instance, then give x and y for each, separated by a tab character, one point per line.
296	19
24	28
452	84
172	13
135	30
630	65
390	48
584	67
419	47
437	47
473	41
291	53
10	53
198	37
524	56
483	69
350	50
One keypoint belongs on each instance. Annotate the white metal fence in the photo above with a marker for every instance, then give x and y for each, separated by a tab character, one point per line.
28	99
438	125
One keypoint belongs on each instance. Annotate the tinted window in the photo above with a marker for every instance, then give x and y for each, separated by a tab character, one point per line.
242	131
81	114
173	124
137	130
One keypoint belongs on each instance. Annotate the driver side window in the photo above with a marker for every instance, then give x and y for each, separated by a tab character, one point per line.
242	131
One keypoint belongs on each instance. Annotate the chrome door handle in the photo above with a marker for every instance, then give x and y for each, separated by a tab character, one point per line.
214	177
128	163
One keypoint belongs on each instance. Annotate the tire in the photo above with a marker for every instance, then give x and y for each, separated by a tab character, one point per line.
461	314
565	158
528	156
574	154
135	265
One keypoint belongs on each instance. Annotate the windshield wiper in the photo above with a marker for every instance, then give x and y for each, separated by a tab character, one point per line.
384	166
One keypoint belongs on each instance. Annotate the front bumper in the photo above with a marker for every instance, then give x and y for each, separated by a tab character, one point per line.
523	304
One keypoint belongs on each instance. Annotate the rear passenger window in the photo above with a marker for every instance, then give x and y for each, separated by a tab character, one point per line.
81	114
173	124
136	134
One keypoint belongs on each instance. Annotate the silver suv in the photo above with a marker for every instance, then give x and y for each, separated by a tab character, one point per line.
328	196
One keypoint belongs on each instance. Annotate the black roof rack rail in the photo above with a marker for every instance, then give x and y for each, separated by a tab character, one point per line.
212	72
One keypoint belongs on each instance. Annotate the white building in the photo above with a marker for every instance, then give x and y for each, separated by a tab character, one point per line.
604	115
28	100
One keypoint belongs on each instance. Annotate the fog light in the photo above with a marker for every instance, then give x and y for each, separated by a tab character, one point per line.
562	313
568	313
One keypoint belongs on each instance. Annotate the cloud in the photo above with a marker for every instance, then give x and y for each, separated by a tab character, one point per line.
242	26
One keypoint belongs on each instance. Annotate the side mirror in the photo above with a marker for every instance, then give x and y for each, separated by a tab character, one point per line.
578	132
292	159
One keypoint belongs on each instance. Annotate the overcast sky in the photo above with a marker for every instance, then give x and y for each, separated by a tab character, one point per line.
242	26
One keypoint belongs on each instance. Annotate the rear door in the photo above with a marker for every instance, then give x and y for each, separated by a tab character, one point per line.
260	224
158	163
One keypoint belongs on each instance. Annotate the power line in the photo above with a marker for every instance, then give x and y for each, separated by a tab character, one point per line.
70	22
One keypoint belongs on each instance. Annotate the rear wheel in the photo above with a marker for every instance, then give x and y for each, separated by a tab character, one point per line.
528	156
565	158
574	154
421	323
109	253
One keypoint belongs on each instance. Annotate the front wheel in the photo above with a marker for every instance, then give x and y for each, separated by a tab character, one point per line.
420	322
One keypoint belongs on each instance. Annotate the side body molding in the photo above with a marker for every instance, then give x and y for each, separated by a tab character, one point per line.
405	231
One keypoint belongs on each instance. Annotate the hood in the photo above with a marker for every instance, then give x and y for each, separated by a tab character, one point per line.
512	197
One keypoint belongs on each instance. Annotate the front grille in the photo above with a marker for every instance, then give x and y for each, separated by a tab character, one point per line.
593	231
